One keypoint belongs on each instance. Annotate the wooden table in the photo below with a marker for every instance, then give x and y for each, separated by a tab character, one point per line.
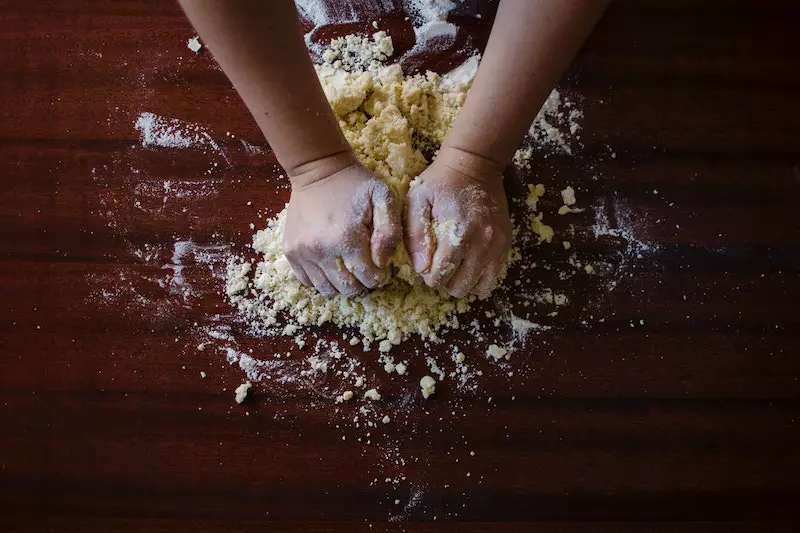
678	409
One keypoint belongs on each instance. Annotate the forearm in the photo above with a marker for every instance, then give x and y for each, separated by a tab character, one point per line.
531	44
260	47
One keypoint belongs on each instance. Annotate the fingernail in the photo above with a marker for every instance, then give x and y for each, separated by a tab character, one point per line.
420	261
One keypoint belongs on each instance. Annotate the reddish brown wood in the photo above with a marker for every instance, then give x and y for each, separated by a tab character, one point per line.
688	423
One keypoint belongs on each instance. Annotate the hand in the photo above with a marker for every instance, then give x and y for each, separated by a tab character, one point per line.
458	230
342	226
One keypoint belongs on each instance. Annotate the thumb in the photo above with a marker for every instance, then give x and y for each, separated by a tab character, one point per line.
420	239
386	228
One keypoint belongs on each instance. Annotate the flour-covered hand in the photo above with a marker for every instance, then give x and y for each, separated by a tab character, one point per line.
341	229
458	230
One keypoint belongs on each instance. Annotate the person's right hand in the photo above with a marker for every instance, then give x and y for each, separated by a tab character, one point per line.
342	226
458	230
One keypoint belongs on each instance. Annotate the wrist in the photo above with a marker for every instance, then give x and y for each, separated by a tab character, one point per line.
471	164
310	172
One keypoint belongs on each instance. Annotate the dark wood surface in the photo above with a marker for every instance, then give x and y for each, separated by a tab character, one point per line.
689	421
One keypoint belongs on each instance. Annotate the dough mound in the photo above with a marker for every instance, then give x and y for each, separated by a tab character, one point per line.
391	121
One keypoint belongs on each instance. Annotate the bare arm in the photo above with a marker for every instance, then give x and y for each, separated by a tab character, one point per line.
531	44
342	222
260	47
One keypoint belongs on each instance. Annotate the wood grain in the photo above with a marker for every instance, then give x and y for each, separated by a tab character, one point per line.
687	421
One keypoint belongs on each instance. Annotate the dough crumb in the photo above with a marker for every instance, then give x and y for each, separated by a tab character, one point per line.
496	352
544	232
194	44
534	193
568	195
373	395
428	386
242	391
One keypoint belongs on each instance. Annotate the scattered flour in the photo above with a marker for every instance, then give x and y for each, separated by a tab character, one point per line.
426	11
436	34
555	129
156	131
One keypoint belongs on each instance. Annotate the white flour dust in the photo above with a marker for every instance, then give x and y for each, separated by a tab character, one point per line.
171	133
371	391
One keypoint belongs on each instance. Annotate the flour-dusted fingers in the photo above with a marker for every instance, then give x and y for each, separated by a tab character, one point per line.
319	279
420	240
445	263
332	224
488	280
342	279
295	259
387	227
360	265
467	276
300	274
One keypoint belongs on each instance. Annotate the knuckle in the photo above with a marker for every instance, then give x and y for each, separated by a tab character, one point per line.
350	291
488	233
322	289
457	292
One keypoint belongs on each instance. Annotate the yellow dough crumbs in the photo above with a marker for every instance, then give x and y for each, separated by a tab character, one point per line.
390	120
543	231
241	392
534	193
568	195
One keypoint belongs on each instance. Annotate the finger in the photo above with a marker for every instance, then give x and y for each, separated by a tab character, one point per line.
341	278
300	274
467	276
360	265
445	263
319	279
488	281
387	229
420	240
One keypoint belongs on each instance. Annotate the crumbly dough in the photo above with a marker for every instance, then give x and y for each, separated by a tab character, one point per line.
390	120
